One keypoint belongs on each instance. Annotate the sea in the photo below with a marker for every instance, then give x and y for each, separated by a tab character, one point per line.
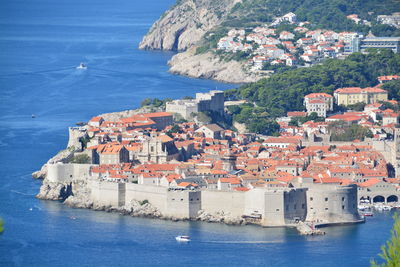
41	43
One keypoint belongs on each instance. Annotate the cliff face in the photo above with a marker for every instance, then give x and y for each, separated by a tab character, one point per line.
185	23
209	66
182	27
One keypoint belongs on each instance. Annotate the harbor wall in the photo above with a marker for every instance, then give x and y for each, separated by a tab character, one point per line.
232	202
322	203
332	203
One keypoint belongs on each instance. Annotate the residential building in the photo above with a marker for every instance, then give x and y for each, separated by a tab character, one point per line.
352	95
392	43
321	103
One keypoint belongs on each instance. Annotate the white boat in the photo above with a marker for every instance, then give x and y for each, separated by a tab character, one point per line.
82	66
182	238
367	214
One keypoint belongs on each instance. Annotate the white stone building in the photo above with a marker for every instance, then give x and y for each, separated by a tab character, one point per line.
320	103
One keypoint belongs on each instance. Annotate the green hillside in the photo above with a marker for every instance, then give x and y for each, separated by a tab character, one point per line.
284	92
322	14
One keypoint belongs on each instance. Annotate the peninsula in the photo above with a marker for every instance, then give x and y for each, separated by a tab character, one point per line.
171	163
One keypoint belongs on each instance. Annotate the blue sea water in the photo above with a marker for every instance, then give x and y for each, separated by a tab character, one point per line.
41	42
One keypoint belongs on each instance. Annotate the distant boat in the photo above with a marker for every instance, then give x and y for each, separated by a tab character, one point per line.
82	67
367	214
182	238
33	116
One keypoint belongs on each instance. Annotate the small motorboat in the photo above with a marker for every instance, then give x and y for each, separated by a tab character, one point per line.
33	116
367	214
82	67
182	238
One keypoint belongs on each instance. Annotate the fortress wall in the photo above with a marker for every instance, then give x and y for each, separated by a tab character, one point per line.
156	195
295	205
332	203
75	133
226	201
64	173
183	204
105	193
274	208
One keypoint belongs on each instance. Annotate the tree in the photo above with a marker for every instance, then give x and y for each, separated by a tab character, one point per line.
81	159
1	225
174	129
146	102
263	126
390	252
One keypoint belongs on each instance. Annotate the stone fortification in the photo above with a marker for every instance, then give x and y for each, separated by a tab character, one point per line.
262	206
332	204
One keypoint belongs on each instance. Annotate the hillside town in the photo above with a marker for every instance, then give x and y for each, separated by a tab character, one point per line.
302	175
297	45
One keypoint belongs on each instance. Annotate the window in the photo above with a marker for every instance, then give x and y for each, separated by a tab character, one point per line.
326	209
326	199
197	199
277	209
295	206
303	206
152	149
287	207
342	198
343	207
181	199
311	199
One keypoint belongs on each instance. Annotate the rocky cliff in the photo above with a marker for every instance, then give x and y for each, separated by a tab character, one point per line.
209	66
182	27
185	23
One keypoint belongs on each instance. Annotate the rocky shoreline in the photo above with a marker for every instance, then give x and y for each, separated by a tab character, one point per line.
182	27
209	66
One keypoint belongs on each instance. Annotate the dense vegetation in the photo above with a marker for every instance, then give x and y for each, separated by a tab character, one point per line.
81	159
342	131
322	14
285	91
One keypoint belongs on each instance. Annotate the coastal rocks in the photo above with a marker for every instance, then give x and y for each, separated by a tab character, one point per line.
209	66
220	217
53	191
80	196
306	229
185	24
140	209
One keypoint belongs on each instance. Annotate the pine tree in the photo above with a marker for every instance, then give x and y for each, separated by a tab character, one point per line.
391	251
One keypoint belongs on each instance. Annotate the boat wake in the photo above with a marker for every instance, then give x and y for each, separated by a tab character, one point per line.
245	242
21	193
